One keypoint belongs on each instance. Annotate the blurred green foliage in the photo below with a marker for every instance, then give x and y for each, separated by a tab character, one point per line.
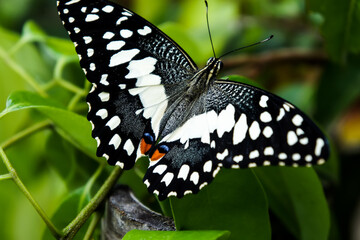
313	61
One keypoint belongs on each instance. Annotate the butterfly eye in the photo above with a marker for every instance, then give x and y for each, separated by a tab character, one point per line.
220	65
210	60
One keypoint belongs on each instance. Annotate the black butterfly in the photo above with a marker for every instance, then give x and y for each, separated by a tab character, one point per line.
149	98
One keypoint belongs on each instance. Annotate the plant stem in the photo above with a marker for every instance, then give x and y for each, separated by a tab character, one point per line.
94	222
19	70
57	233
83	216
90	183
5	176
20	135
71	87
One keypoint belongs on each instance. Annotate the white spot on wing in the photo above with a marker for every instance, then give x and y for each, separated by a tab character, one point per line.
127	13
286	107
120	164
115	141
265	117
125	33
268	132
72	2
129	147
291	138
167	178
297	120
207	166
87	39
195	177
145	31
91	17
160	169
281	114
319	145
147	183
138	68
268	151
222	156
299	131
104	79
226	120
254	130
203	185
90	52
108	35
240	129
123	57
104	96
147	80
263	101
120	20
92	67
184	171
103	113
304	141
108	9
308	158
113	123
252	165
238	158
172	194
115	45
254	154
296	156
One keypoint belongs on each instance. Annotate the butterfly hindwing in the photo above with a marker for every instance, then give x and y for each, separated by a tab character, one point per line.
134	68
262	129
239	126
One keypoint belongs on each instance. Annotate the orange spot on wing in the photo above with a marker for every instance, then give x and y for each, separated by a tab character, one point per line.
144	147
157	155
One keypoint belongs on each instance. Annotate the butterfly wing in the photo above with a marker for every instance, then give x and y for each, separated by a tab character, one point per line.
134	68
237	126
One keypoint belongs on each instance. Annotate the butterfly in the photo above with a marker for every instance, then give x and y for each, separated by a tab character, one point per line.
149	98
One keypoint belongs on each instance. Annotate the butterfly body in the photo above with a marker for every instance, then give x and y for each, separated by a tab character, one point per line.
149	98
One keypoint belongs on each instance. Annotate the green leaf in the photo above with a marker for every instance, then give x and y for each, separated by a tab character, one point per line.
234	201
340	27
73	127
31	31
67	211
339	87
174	235
296	197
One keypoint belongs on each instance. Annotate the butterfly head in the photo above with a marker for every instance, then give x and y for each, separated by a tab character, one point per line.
214	65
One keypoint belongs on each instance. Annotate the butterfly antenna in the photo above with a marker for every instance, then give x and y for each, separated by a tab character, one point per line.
208	27
235	50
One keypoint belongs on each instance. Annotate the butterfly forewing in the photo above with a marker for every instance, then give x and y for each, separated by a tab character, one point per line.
148	98
131	63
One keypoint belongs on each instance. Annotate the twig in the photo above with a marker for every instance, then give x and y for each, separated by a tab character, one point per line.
56	233
33	129
83	216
